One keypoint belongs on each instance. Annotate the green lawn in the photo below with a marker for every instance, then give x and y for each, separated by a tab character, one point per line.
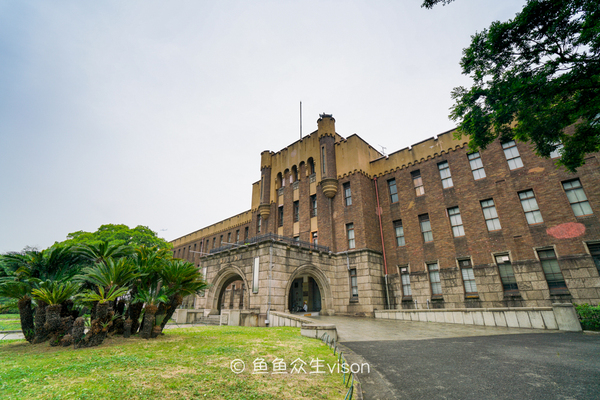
182	364
10	325
9	316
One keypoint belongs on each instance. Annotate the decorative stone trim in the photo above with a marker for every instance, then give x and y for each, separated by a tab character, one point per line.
330	187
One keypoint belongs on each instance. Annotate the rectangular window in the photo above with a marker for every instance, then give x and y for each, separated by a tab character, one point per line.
347	194
468	277
595	253
393	190
214	242
426	228
456	222
490	215
434	279
507	275
314	237
405	276
476	166
577	198
554	276
445	175
530	207
255	273
280	215
418	182
512	155
399	230
259	224
556	153
313	205
220	240
350	234
323	160
246	232
296	211
237	235
353	283
229	237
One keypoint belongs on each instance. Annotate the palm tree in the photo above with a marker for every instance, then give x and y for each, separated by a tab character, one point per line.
54	294
22	293
102	252
151	297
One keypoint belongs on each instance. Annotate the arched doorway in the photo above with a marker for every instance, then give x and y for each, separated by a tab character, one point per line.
308	283
229	291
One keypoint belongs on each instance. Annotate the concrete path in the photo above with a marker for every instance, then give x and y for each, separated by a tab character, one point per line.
419	360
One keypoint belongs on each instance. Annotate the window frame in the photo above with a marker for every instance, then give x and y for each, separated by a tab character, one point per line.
577	191
513	157
470	278
417	180
534	213
594	251
353	275
350	232
393	194
280	216
507	287
424	218
314	237
476	164
492	219
430	274
399	234
313	205
347	194
296	208
446	180
456	222
404	271
550	266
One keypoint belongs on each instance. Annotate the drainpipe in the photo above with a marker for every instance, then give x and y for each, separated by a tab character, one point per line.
387	293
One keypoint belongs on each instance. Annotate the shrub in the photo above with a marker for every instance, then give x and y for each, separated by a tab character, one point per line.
589	316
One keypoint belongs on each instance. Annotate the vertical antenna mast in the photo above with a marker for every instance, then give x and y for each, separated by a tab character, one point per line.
300	120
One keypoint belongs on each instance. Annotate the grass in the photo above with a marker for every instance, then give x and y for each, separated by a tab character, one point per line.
182	364
10	325
9	316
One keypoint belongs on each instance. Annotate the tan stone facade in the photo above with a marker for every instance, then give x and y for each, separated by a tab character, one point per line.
445	228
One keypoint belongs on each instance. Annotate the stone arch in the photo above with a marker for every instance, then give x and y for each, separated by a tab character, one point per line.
227	274
322	282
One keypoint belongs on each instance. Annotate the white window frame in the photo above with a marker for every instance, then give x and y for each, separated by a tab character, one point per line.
476	165
511	152
577	198
490	215
456	223
530	207
445	175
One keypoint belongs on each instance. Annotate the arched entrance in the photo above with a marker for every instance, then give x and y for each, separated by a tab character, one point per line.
309	284
229	291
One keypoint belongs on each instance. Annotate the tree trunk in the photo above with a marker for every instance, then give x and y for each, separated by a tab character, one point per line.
26	315
135	310
41	334
175	302
78	330
127	328
149	317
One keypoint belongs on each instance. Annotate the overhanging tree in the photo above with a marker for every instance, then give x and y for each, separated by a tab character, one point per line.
533	77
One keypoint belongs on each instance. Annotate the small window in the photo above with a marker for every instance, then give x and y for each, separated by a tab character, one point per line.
314	237
246	232
323	160
595	253
530	207
418	182
405	276
552	271
445	175
280	215
507	275
577	198
220	240
557	152
468	277
426	228
512	155
353	283
294	174
350	234
229	237
456	222
237	236
476	166
311	166
434	278
347	194
215	241
399	231
259	224
296	238
296	211
490	215
313	205
393	190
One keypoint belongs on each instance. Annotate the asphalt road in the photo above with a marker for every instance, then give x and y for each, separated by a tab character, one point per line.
515	366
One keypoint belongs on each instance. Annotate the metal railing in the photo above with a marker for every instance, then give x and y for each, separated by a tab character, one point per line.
348	377
271	237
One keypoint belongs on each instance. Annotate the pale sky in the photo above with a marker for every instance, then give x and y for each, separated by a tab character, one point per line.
155	112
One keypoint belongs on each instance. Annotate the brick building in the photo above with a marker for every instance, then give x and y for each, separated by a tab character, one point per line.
336	224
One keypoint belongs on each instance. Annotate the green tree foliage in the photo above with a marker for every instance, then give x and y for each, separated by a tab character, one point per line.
117	235
533	76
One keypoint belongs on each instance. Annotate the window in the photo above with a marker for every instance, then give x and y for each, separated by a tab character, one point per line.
323	160
468	277
595	253
476	166
353	283
246	232
456	222
405	277
296	211
294	174
393	190
350	234
347	194
434	279
314	237
399	230
237	236
556	153
255	275
490	215
229	237
214	242
220	240
445	174
296	238
426	228
280	215
418	182
207	244
507	275
577	198
259	224
313	205
530	207
311	166
512	155
554	276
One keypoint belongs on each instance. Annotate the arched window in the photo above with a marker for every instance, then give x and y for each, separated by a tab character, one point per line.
311	166
286	174
294	176
279	180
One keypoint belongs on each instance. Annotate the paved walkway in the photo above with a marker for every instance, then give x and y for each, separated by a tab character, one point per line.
424	360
